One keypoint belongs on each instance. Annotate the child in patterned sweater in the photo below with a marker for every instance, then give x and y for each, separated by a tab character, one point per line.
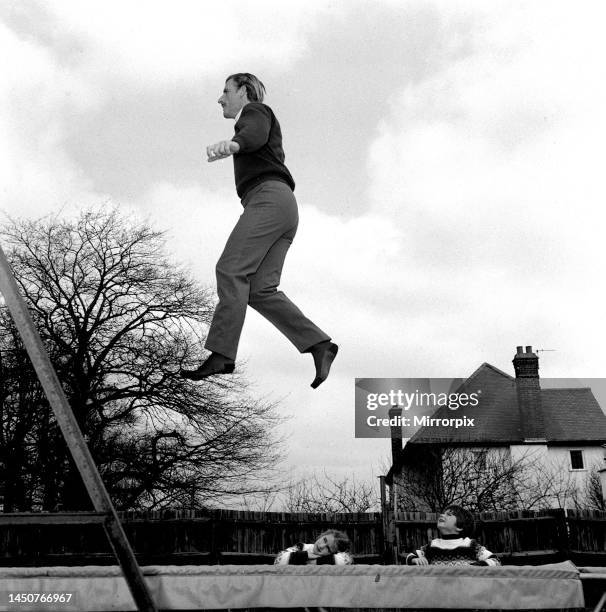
454	546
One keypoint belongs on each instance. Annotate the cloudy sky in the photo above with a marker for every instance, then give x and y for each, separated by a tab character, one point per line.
446	155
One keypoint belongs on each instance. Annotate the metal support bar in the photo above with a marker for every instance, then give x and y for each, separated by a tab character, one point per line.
600	605
73	436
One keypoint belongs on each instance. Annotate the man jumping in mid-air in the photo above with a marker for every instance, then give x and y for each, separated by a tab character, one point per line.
248	271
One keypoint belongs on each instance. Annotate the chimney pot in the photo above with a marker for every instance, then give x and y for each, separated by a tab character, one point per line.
519	350
526	364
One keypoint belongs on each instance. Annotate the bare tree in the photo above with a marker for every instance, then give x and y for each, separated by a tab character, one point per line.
119	320
329	493
479	480
594	499
482	479
24	416
546	484
264	501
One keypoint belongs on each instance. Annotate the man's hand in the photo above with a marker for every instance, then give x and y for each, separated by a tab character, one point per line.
419	561
221	150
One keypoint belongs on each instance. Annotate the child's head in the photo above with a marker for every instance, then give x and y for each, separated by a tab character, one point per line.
455	520
330	542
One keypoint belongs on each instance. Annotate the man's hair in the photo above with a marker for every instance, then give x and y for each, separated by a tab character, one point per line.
341	539
464	519
255	90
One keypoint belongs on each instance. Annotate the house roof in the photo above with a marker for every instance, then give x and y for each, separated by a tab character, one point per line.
570	415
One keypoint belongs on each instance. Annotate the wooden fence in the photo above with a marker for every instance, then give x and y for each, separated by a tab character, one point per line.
230	536
519	537
212	536
587	536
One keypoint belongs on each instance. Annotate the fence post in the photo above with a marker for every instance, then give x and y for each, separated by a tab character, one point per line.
563	538
386	546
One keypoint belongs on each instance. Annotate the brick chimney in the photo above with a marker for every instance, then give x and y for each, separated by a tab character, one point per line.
396	434
526	366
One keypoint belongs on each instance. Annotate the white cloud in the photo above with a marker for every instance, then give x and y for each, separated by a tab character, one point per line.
76	57
491	169
36	97
156	42
197	222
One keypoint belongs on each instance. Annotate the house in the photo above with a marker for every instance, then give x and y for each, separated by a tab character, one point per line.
521	446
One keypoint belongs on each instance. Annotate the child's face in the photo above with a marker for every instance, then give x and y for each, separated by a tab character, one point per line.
325	545
447	523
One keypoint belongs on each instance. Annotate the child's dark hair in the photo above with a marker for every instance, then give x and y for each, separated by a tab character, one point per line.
341	539
464	519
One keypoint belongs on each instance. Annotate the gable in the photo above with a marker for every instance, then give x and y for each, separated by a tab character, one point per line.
495	418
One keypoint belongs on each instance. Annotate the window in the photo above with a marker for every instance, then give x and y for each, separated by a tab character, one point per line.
576	460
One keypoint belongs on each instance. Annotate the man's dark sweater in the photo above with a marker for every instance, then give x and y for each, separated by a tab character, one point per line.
261	156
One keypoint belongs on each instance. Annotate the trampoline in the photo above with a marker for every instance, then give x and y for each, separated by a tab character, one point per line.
104	589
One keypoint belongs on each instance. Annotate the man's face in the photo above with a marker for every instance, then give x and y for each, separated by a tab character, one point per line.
233	99
447	523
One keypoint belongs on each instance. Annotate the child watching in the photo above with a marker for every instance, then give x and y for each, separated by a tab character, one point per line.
331	548
454	546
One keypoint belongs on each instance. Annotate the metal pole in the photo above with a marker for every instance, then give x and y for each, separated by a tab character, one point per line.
73	436
600	605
